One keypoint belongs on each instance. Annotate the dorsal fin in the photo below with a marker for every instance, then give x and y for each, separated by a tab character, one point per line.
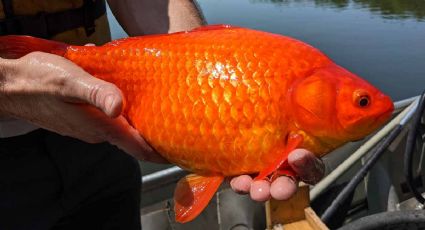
215	27
193	194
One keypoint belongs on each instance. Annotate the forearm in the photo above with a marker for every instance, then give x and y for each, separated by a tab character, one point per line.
139	17
6	69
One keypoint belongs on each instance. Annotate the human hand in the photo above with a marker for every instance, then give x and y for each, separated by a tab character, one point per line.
57	95
308	167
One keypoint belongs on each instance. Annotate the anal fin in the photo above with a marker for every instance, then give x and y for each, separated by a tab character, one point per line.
192	195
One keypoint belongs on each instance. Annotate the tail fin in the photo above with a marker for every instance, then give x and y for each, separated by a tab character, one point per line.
13	46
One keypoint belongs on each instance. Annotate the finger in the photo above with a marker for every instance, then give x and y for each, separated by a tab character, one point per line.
309	168
100	128
283	188
101	94
260	190
129	140
241	184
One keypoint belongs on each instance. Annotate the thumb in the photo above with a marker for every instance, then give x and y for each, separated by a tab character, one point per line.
307	166
101	94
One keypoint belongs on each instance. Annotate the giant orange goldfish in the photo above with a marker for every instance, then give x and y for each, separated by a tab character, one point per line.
222	101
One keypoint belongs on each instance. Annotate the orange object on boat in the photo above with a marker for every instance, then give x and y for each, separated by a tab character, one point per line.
223	101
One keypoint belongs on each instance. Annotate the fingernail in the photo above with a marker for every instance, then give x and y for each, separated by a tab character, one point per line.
303	162
297	154
297	157
109	104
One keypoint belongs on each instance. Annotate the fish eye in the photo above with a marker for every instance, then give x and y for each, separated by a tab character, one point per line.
364	101
361	98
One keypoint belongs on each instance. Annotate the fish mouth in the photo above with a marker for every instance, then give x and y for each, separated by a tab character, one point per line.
387	113
384	117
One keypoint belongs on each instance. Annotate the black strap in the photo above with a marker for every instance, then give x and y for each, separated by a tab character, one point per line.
89	16
7	8
8	13
46	25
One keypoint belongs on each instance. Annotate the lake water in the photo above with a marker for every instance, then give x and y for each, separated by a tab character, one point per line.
382	41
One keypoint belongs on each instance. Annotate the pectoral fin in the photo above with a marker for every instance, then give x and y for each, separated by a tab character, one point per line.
193	194
284	170
294	141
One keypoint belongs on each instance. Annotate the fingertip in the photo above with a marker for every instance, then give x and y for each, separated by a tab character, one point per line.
112	105
283	188
137	146
299	154
144	151
128	139
260	190
241	184
307	166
